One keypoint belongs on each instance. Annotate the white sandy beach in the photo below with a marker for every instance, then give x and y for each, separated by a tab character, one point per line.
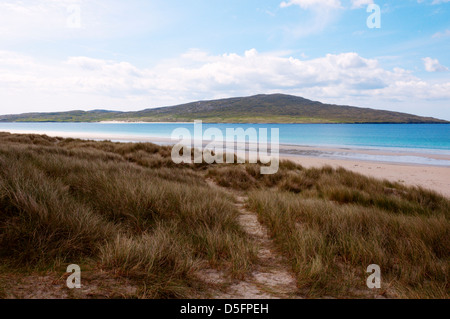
140	122
433	177
436	178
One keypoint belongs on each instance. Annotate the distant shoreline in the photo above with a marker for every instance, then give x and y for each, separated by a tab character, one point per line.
287	149
128	122
226	122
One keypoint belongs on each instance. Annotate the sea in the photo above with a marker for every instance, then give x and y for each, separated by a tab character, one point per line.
427	144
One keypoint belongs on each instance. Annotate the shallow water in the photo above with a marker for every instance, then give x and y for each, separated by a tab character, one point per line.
388	138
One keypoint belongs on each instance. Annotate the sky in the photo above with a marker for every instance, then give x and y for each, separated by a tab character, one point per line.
60	55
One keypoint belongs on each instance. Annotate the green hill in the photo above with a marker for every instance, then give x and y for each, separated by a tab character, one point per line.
274	108
71	116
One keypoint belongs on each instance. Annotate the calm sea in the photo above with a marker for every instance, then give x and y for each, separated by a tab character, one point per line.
407	138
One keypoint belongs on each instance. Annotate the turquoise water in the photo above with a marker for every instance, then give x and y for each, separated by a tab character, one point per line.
426	138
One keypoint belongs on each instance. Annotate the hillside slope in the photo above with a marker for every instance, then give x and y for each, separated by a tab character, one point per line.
274	108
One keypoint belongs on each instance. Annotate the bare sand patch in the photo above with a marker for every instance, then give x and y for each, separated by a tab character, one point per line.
436	178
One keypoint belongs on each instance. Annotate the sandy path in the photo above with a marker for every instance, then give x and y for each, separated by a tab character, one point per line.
271	277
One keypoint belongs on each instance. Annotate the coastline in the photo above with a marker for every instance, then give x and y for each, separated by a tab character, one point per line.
139	122
433	177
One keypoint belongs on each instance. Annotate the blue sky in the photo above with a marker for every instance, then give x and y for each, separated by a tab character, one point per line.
129	55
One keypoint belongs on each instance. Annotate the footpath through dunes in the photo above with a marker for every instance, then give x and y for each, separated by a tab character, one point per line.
271	277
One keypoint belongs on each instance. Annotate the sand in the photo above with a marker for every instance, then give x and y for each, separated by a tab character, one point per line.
436	178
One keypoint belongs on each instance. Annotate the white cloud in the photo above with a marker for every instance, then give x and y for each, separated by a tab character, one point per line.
322	13
434	1
444	34
87	83
433	65
305	4
308	4
39	18
360	3
53	19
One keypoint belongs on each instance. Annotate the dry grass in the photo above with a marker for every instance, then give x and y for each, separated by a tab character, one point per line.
127	210
332	224
118	206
